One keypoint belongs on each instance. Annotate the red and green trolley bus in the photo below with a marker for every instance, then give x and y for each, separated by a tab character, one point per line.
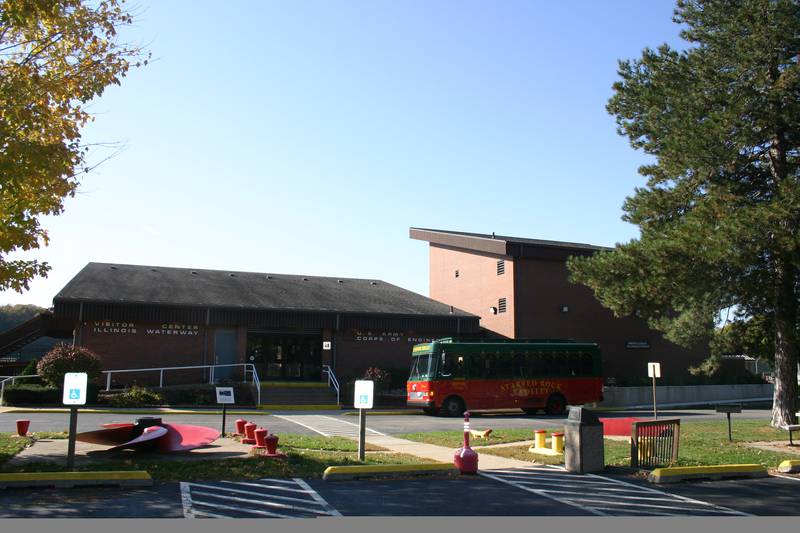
451	375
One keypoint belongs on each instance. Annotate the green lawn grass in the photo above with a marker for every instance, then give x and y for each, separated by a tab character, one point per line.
11	446
455	438
297	464
318	442
702	443
307	456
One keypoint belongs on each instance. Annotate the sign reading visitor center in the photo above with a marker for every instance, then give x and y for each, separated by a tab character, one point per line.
362	397
224	395
75	388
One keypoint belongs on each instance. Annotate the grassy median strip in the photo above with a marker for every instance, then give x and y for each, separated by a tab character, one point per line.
703	443
455	438
297	464
307	456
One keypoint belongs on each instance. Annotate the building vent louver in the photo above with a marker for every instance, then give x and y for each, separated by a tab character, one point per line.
501	267
501	305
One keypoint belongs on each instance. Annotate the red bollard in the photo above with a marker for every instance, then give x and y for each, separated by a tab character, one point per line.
465	458
249	433
22	427
261	435
240	427
272	447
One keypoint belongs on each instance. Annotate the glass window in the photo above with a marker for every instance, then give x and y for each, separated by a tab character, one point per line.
520	366
452	366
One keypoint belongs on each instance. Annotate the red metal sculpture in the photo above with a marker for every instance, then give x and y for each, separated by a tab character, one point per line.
151	434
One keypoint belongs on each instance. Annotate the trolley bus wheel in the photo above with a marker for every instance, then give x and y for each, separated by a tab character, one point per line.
556	405
430	410
453	406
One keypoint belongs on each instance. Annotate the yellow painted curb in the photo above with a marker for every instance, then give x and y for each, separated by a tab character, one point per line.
357	471
319	407
676	474
790	466
68	479
63	476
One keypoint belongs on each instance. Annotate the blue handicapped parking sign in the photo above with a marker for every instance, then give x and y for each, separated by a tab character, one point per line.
74	394
364	398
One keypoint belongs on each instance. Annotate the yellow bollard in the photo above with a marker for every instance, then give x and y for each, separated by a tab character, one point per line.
557	442
541	439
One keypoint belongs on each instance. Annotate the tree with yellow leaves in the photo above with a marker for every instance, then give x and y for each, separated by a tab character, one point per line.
55	57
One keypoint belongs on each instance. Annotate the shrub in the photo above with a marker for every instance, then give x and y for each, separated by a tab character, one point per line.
38	394
30	368
26	394
136	397
382	378
65	358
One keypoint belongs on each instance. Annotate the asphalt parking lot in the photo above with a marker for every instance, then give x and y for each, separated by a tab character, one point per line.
532	494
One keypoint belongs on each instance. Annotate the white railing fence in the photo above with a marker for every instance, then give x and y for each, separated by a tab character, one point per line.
332	381
248	368
12	380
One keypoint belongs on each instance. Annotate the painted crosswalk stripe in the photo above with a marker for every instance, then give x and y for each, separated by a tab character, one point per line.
602	495
272	498
328	426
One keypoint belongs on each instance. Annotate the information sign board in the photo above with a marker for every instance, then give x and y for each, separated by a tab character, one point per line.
225	395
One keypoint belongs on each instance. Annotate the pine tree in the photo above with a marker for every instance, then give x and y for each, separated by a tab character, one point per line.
720	211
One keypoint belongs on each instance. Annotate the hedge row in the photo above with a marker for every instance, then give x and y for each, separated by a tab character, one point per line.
32	394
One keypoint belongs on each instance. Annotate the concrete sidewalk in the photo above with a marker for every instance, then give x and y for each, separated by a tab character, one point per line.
443	455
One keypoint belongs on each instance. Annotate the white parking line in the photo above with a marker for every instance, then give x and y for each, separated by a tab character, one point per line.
319	499
369	430
186	501
543	493
787	477
243	510
315	430
603	495
213	499
328	426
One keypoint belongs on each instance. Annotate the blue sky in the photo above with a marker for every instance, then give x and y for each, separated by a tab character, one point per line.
307	136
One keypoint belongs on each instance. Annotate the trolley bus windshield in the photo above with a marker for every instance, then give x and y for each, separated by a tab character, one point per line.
423	367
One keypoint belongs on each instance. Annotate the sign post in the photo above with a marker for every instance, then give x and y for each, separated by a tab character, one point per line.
74	395
654	371
224	397
362	400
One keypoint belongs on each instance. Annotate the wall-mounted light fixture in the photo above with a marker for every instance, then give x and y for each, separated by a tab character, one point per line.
564	308
493	310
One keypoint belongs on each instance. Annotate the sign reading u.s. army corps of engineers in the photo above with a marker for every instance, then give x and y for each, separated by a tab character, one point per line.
75	388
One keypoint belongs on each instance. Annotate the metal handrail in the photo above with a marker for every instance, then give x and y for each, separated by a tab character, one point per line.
12	379
332	381
247	367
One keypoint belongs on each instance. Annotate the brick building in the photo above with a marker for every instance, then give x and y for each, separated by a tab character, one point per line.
288	326
520	288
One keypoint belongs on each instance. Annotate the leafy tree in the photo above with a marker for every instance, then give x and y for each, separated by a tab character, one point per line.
720	211
65	358
55	56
